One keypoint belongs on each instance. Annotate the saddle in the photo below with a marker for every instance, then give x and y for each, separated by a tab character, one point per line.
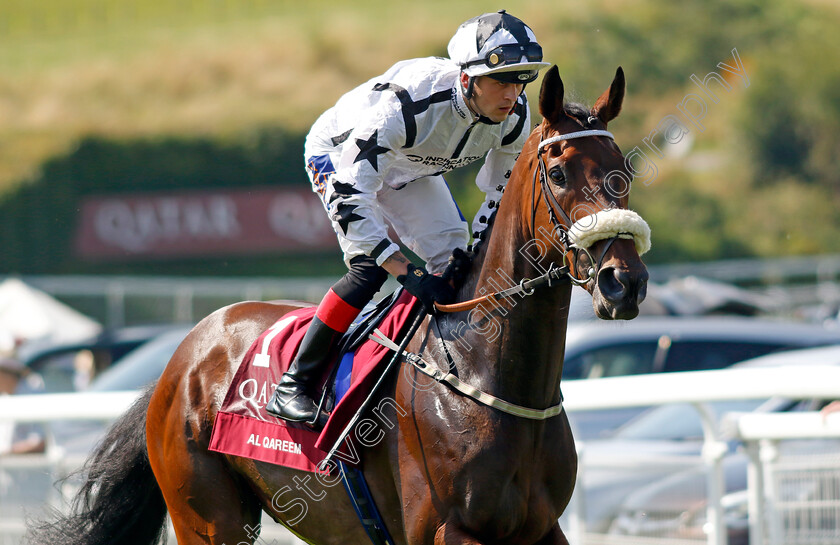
371	316
242	426
337	381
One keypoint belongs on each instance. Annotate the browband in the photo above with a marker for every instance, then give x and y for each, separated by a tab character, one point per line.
571	135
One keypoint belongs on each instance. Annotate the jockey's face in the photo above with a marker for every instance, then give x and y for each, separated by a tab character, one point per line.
492	98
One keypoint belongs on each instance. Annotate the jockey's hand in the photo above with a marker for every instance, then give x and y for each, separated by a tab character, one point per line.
426	287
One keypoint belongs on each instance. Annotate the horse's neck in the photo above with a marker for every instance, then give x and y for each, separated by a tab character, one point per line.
522	354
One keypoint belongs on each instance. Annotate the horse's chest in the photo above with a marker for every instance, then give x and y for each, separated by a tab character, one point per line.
519	462
516	488
503	478
512	479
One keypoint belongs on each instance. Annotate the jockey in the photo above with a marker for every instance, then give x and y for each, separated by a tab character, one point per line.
378	156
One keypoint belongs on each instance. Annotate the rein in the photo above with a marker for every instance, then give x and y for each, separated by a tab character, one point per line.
575	237
526	286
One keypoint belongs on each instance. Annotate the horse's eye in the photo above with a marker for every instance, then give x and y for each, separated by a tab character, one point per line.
556	175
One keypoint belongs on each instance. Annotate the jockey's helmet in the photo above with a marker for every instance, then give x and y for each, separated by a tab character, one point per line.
497	45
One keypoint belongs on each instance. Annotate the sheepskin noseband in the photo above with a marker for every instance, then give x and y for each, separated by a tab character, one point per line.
608	224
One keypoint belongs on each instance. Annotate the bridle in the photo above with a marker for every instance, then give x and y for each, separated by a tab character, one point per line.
525	287
561	229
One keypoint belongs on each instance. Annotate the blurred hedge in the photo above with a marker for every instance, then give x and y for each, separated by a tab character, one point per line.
38	219
763	179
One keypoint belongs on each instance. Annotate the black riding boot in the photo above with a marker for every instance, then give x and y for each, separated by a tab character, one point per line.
292	399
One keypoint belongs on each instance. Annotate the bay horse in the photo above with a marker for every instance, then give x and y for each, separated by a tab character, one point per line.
449	470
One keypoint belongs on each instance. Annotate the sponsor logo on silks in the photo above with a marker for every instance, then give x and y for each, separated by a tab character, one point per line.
444	163
273	443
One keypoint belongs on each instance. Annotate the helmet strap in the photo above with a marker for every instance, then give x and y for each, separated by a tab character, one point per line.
468	92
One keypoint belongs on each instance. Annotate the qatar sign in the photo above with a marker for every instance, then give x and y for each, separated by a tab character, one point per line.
211	223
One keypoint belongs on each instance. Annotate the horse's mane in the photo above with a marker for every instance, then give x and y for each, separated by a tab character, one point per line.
580	112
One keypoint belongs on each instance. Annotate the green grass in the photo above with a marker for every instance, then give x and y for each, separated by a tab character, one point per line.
131	68
38	35
219	68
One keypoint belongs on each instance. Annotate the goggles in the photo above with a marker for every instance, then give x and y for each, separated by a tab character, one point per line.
509	54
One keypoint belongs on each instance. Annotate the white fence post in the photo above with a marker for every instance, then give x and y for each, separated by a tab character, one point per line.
577	518
756	506
713	453
768	453
762	432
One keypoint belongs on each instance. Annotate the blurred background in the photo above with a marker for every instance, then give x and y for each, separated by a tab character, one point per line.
166	138
151	167
133	100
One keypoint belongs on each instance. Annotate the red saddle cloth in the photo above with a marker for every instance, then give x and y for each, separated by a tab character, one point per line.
244	428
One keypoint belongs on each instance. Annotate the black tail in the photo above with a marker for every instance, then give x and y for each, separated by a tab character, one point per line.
120	502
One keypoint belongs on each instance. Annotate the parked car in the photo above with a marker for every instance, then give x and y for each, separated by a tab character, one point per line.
134	371
686	296
674	506
614	467
70	367
676	518
670	344
147	351
142	366
30	490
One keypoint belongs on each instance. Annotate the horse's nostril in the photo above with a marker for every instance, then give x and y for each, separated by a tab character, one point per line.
612	282
618	284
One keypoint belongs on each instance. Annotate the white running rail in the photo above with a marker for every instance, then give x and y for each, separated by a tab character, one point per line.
698	388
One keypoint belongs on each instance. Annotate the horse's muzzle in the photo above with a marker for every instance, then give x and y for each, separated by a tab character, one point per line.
620	293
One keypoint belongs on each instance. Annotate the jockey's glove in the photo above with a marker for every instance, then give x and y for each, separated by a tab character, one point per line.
426	287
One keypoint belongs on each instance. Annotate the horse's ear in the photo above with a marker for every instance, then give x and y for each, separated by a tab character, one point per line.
608	105
551	95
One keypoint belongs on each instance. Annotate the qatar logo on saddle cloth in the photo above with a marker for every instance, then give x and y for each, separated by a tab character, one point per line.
244	428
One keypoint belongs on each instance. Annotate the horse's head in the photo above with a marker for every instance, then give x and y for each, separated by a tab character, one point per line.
584	184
